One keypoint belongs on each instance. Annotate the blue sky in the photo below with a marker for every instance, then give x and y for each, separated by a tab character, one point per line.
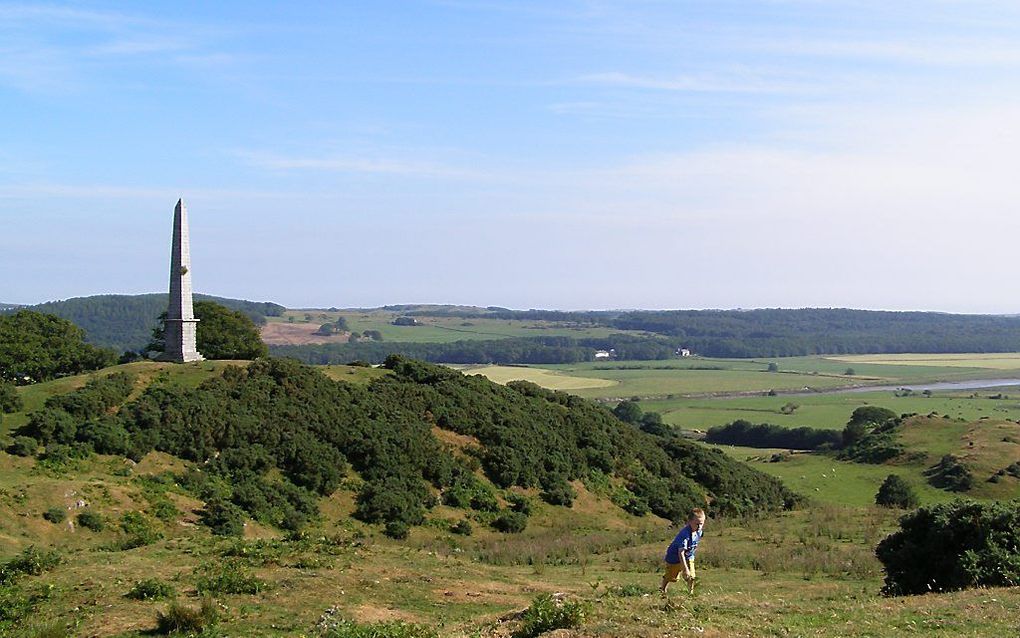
653	154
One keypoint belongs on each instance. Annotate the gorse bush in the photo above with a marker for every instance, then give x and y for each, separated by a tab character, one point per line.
91	520
546	614
228	577
10	400
950	474
138	531
510	522
953	546
151	589
896	492
55	514
30	562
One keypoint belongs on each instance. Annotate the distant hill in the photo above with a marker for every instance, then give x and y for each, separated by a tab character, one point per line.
652	334
125	322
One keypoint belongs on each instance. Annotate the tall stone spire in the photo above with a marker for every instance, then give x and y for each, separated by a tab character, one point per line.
180	315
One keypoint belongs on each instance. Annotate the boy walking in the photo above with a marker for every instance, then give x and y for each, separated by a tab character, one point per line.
680	553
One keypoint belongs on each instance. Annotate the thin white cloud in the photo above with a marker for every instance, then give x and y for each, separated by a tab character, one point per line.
718	82
351	164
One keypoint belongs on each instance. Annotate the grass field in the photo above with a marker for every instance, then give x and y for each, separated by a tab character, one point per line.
833	410
445	329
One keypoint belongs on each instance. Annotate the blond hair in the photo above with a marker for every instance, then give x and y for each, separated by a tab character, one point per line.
697	512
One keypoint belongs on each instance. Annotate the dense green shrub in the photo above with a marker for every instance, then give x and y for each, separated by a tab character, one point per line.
228	577
950	474
151	589
546	614
223	517
558	492
55	514
519	503
23	446
391	499
182	619
10	400
30	561
462	527
510	522
398	530
896	492
91	520
953	546
138	531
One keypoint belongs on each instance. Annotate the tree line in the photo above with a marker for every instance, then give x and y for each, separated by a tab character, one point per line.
125	322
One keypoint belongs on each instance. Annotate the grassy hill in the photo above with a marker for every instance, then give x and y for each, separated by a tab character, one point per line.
125	322
810	571
455	570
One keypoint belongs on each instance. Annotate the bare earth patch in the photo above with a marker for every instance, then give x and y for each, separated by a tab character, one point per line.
296	334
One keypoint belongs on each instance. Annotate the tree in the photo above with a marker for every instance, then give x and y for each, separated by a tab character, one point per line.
36	347
773	366
341	325
896	492
326	329
628	411
222	333
10	400
871	414
789	407
849	372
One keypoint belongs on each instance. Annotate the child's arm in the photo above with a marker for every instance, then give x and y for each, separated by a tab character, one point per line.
686	564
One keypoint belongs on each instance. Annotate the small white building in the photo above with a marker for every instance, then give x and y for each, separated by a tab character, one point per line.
683	352
605	354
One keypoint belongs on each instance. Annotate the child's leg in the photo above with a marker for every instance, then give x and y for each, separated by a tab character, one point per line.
690	578
671	575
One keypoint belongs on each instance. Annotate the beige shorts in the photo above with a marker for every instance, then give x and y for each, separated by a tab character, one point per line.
673	571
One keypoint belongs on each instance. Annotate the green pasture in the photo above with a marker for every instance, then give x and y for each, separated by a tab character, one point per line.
826	480
833	410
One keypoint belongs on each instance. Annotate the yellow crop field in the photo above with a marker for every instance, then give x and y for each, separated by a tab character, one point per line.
545	378
991	360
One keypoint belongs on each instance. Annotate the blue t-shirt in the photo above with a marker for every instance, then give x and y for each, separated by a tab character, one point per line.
687	540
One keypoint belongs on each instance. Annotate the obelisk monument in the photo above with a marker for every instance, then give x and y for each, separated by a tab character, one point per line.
181	324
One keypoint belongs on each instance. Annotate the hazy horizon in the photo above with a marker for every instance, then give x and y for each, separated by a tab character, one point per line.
512	308
579	155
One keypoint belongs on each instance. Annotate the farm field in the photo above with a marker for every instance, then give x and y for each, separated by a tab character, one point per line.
992	361
552	379
443	329
672	379
833	410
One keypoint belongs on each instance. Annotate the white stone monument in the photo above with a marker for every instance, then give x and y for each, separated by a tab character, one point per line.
181	324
